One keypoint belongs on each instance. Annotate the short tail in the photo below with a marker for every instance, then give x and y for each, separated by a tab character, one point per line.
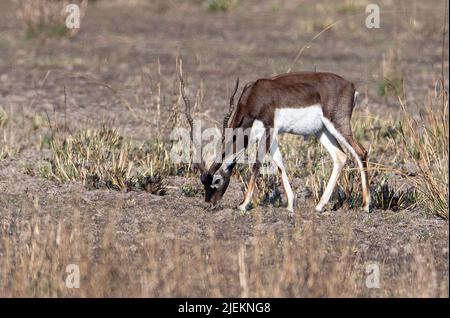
355	98
341	139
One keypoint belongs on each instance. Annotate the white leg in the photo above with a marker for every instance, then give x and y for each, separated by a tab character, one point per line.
278	159
256	136
345	143
339	158
251	184
250	188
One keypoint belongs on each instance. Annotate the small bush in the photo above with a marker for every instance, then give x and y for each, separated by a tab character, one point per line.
220	5
46	18
46	30
388	197
391	83
390	87
269	191
350	7
189	191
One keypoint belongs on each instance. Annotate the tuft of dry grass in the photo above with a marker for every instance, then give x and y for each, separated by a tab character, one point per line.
426	144
391	83
104	158
7	144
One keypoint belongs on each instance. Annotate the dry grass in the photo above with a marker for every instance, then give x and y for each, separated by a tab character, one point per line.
391	83
350	6
426	143
288	262
7	143
102	158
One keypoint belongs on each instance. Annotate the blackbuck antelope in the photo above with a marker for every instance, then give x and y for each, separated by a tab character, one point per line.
307	103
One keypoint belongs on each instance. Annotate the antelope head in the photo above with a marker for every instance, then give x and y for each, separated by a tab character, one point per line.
214	180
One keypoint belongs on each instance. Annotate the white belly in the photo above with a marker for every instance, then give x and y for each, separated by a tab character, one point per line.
299	121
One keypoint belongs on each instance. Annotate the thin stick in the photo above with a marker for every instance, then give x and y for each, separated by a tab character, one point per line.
112	89
308	44
158	97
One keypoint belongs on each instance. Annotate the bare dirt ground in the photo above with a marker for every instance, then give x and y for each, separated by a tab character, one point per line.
119	44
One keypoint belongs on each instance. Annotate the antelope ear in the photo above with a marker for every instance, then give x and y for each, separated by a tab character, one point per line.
217	181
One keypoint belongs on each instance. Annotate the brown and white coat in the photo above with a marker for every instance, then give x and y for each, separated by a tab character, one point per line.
307	103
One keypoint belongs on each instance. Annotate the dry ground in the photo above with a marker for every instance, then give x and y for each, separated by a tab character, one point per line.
140	244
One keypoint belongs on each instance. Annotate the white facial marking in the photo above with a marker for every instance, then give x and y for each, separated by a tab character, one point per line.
299	121
217	181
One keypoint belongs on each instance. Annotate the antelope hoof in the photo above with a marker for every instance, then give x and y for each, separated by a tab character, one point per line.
318	208
366	208
243	207
212	207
